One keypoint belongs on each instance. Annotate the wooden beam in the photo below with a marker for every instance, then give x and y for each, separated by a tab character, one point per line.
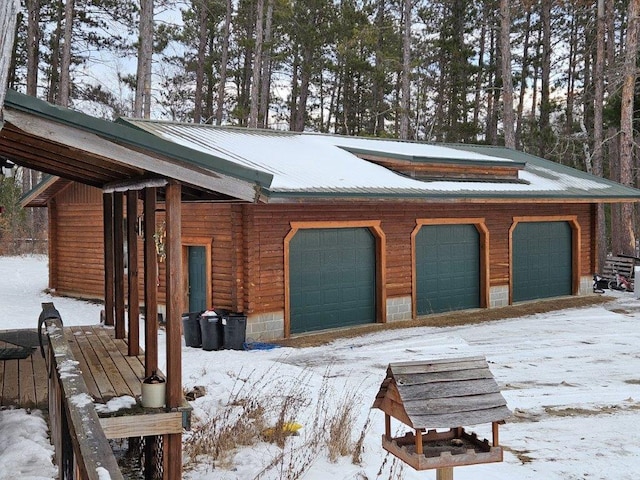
109	268
118	262
150	283
132	273
134	184
173	448
126	426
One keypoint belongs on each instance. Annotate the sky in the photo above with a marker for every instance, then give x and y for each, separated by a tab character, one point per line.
571	379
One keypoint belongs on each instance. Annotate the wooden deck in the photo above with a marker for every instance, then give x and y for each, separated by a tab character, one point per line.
108	373
23	382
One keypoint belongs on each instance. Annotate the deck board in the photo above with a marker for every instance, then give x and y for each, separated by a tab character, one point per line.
23	382
92	364
130	368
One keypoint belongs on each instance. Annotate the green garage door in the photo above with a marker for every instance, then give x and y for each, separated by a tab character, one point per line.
447	268
541	260
332	278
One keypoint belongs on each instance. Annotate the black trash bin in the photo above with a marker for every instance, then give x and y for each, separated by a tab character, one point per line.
210	328
234	331
191	329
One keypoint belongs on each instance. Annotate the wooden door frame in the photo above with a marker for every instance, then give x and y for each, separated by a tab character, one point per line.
187	242
576	243
484	250
380	260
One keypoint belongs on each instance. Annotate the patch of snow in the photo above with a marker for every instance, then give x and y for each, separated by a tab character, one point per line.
571	378
81	399
103	473
25	451
115	404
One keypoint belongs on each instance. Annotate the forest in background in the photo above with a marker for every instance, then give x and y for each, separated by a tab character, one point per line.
555	78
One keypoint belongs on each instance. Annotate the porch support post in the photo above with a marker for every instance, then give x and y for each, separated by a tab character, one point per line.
132	272
118	261
174	318
150	283
107	208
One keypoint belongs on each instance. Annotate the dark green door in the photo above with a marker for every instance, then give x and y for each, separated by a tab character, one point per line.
447	268
542	260
197	279
332	276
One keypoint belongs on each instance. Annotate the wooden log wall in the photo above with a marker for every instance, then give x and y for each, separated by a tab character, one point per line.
247	242
268	224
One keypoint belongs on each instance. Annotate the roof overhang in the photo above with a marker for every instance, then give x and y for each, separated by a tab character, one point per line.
95	152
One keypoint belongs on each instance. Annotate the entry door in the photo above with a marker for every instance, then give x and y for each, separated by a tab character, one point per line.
197	259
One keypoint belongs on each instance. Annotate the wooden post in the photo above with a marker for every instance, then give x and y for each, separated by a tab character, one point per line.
151	444
387	425
444	473
150	283
118	262
132	274
494	428
175	302
419	441
107	207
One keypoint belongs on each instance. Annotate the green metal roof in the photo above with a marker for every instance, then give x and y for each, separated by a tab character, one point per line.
124	134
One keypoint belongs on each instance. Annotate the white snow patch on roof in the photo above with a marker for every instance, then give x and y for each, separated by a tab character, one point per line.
320	163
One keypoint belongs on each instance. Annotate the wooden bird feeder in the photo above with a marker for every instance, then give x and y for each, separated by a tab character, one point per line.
434	395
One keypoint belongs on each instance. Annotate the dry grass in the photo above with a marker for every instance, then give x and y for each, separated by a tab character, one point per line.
238	424
464	317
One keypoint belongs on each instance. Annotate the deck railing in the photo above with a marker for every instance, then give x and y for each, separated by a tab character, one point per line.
82	449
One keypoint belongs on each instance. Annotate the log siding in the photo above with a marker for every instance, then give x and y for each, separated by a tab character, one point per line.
247	242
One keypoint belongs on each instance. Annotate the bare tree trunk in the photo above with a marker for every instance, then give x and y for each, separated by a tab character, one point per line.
65	64
142	102
545	105
598	132
481	68
630	75
54	64
33	44
305	82
257	67
202	50
223	63
523	80
406	72
507	81
265	80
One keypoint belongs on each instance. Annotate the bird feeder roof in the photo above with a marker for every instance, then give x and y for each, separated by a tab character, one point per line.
442	393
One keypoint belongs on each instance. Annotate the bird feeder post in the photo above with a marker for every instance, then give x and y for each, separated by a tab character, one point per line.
494	428
444	473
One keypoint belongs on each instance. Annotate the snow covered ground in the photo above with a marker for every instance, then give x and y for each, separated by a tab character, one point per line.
572	379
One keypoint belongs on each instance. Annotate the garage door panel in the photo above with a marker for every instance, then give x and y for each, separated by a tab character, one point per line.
339	287
542	260
447	268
